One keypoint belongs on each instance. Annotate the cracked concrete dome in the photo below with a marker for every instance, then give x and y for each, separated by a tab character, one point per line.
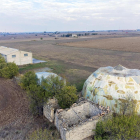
111	86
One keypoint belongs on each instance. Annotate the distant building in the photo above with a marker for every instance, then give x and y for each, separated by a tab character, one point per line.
74	35
15	55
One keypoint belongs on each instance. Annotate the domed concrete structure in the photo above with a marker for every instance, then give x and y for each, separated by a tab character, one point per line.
110	86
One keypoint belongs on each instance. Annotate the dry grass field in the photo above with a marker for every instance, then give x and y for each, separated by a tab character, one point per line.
84	53
129	44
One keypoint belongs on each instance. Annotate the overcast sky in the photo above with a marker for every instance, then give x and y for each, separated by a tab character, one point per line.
68	15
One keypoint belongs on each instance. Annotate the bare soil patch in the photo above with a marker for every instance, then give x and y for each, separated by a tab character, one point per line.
16	122
14	111
13	102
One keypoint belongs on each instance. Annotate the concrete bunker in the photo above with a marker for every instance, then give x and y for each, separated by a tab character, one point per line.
78	122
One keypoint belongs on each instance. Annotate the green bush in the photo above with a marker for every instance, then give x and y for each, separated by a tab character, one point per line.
37	98
43	135
52	85
2	60
123	127
28	79
67	96
9	70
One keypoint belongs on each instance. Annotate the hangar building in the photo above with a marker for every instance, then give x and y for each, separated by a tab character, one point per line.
15	55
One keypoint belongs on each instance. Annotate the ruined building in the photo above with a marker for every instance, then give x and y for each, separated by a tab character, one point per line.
76	122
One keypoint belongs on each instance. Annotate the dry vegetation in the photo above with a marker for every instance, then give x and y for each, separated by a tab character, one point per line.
131	44
84	54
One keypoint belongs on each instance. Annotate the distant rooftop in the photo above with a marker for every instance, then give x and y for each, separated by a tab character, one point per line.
5	50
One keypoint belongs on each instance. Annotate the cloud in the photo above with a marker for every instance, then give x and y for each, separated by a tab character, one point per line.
65	12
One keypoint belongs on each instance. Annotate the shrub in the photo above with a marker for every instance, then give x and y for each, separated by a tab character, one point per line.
52	85
37	98
2	60
67	96
9	70
28	79
119	127
126	125
43	135
128	105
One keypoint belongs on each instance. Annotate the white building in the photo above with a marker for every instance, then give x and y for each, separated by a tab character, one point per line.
15	55
74	35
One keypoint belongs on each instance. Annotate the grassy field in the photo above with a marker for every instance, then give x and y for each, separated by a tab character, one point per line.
129	44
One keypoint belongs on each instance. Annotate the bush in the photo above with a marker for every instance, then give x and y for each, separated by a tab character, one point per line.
37	98
28	79
43	135
128	105
9	70
126	125
67	96
2	60
119	127
52	85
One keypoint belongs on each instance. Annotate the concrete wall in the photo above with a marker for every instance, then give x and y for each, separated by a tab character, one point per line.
20	59
80	113
78	122
80	132
49	109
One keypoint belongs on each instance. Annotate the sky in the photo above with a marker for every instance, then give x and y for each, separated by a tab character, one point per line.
68	15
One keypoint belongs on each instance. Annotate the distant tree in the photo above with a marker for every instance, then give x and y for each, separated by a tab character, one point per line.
41	38
68	35
86	34
94	33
